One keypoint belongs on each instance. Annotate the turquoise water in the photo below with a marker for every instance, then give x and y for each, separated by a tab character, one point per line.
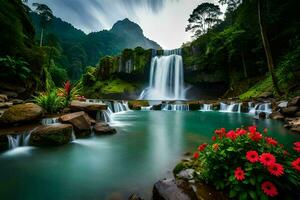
145	149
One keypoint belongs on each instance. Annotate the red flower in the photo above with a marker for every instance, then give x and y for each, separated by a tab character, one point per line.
239	174
196	155
231	134
202	147
214	138
215	146
252	156
296	164
297	146
271	141
269	189
67	87
223	130
276	169
241	132
267	159
252	129
255	136
265	130
220	132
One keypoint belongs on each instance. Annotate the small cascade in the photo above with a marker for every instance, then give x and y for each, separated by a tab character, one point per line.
255	109
120	106
94	101
15	141
146	108
49	121
206	107
232	107
175	107
73	137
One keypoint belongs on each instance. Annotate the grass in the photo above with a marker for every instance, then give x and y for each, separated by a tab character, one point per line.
264	85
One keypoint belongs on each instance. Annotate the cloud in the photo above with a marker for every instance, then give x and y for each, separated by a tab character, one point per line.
162	20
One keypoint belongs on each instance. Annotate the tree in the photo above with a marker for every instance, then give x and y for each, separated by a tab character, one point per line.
46	16
264	38
203	18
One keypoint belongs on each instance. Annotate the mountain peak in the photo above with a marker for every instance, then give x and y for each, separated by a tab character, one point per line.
127	25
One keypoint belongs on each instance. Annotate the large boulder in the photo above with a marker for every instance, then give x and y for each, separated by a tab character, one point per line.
101	128
51	135
167	189
289	111
3	98
87	106
5	104
81	122
21	113
295	101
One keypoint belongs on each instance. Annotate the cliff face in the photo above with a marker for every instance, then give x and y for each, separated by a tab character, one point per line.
21	60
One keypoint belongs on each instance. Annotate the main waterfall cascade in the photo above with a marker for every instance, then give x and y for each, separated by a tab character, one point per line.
166	80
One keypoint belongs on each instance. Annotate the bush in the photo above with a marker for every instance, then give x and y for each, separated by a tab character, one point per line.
249	165
50	101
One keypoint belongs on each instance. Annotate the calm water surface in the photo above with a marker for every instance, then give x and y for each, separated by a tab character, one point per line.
145	149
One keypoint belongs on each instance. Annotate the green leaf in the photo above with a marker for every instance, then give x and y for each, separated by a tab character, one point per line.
243	196
252	181
252	194
232	193
230	149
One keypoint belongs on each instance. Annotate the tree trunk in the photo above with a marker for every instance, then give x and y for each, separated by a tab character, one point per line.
41	41
267	48
244	64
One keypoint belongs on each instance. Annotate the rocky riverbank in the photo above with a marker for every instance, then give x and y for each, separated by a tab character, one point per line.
26	124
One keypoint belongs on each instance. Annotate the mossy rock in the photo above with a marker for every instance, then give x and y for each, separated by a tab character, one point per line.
21	113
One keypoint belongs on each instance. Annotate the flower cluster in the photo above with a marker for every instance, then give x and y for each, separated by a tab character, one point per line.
241	161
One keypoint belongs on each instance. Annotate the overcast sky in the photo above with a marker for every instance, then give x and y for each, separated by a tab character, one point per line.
163	21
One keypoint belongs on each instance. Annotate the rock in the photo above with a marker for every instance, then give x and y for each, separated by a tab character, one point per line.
295	101
297	114
5	104
87	107
206	192
156	107
216	106
289	111
10	94
266	95
3	98
134	197
282	104
296	129
21	113
244	107
276	115
101	128
51	135
168	190
194	106
17	101
81	122
262	115
186	174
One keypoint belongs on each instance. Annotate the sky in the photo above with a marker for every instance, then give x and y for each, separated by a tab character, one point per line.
163	21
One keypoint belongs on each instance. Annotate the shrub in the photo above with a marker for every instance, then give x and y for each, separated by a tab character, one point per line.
14	67
50	101
249	165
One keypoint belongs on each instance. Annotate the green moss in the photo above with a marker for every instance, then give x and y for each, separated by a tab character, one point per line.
117	86
261	87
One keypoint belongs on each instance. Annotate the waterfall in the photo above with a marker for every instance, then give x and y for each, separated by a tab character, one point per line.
206	107
232	107
166	77
15	141
255	109
49	121
175	107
